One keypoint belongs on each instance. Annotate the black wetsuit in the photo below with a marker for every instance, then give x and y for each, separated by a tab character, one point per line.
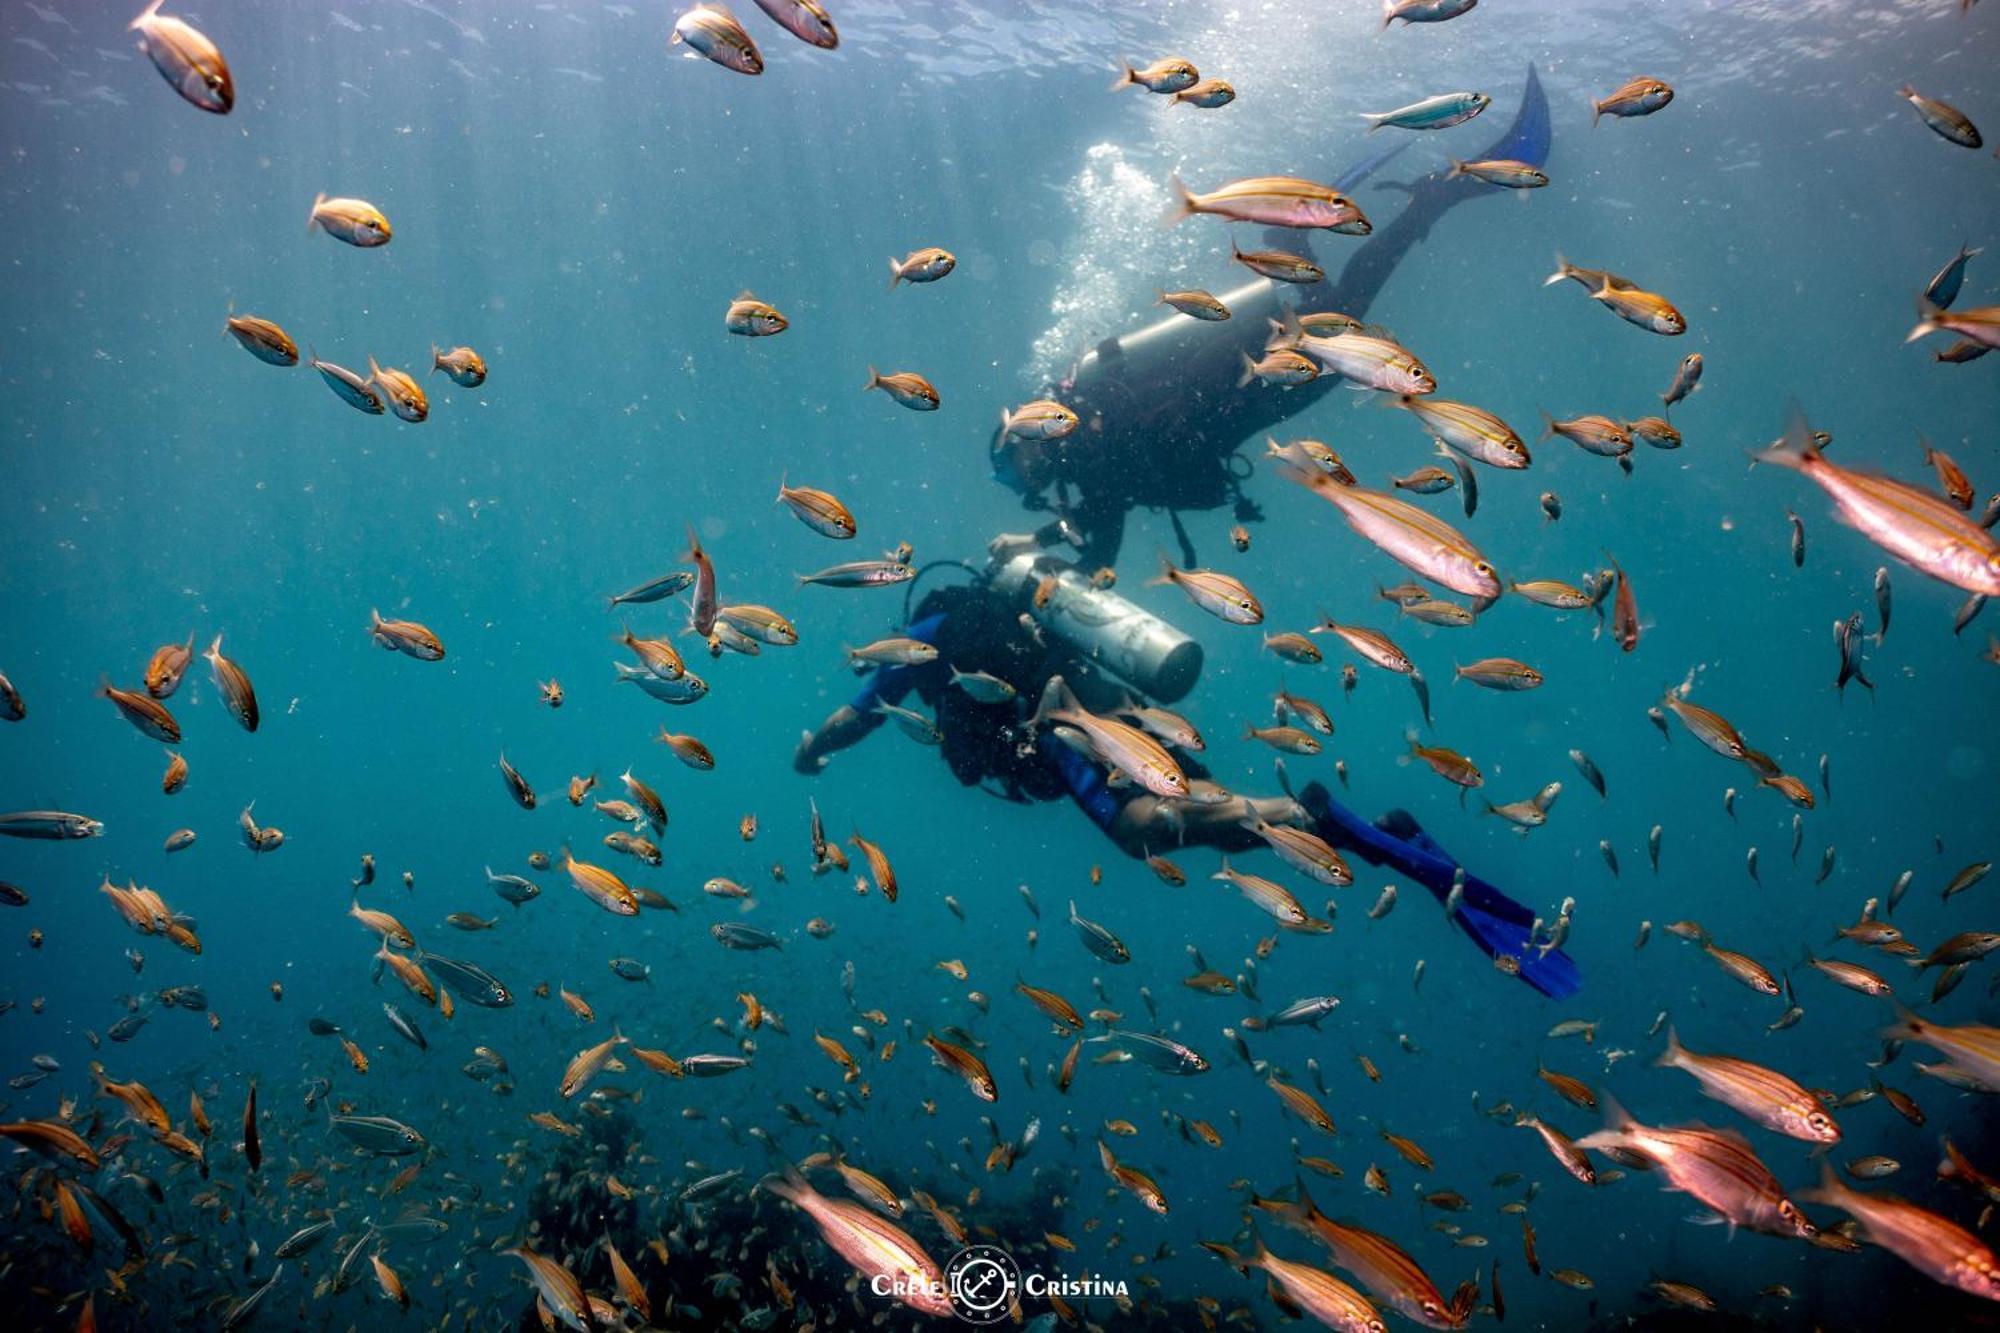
1162	415
976	629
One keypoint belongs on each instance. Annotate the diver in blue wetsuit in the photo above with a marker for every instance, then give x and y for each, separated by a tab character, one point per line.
1163	421
1028	618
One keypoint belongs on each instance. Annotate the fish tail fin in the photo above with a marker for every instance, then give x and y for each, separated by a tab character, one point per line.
1796	450
1563	270
895	276
1167	571
1457	167
1184	201
694	551
1227	1255
1104	1156
437	359
1596	110
789	1185
146	16
874	380
1548	424
1907	1023
1375	122
1249	371
1127	76
1906	91
1831	1190
1675	1054
1928	315
312	218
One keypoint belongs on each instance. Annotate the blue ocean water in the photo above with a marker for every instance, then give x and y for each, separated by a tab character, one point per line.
577	201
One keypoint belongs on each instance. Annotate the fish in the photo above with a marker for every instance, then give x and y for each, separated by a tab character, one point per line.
1944	119
1423	544
517	786
1432	113
143	711
1760	1094
956	1059
1274	201
1420	11
743	937
1039	419
1155	1052
1097	939
1383	1267
1499	673
355	221
402	392
233	683
710	30
1502	171
1634	305
192	65
1270	897
406	637
1592	433
860	574
907	388
1133	1181
1957	487
1687	378
655	590
1932	1244
378	1134
1971	1047
1169	74
927	264
1923	531
1314	1291
1282	368
1278	265
354	390
880	1251
1207	94
806	20
601	886
1195	303
461	365
748	317
1472	432
560	1293
1717	1167
1638	97
263	340
1221	595
1365	359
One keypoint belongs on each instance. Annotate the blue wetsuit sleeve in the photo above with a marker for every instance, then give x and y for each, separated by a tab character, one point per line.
1086	784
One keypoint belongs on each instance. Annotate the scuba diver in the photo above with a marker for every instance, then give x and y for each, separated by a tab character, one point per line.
1162	416
1162	422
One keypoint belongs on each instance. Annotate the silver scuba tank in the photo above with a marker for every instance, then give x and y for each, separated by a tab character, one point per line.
1131	643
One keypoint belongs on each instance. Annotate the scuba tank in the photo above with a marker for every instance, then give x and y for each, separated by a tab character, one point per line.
1130	642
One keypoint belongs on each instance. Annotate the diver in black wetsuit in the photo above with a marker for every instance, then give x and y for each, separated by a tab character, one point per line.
1162	422
1163	418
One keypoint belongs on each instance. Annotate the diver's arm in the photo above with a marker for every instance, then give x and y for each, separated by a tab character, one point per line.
849	724
844	727
1102	519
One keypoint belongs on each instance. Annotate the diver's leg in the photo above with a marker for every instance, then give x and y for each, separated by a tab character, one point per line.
1500	926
